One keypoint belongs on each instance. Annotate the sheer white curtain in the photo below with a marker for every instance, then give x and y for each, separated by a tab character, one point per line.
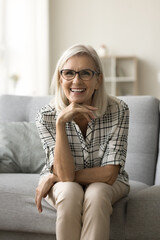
3	51
24	47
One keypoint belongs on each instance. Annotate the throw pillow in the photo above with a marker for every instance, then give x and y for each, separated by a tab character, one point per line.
20	148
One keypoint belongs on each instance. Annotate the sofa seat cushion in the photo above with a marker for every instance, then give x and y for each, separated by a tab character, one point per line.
143	215
18	211
118	218
5	235
136	186
117	229
17	200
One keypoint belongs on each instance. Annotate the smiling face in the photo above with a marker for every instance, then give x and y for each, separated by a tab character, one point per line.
78	90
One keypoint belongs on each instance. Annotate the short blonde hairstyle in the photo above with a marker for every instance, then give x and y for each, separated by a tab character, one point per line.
100	96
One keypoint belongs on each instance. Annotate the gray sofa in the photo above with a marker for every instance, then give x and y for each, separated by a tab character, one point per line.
135	217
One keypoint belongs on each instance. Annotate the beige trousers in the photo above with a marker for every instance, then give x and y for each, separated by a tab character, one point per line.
84	213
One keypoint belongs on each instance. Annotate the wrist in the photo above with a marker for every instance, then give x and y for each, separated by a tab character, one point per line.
60	121
52	178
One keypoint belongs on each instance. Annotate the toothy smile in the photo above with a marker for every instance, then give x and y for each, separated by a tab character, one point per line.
79	90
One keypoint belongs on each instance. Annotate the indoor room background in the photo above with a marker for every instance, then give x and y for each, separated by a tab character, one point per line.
34	34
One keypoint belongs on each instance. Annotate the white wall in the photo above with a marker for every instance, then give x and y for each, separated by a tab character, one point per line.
127	27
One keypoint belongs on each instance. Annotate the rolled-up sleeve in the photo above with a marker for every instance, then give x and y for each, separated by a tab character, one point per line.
45	122
116	146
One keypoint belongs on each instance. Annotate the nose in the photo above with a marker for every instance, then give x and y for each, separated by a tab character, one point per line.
77	78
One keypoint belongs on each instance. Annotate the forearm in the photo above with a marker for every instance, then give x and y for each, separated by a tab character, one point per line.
63	159
106	174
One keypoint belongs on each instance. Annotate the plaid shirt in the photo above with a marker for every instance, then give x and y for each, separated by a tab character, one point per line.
105	142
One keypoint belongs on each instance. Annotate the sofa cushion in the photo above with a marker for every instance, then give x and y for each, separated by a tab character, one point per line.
157	177
143	215
18	210
118	218
17	200
143	138
21	108
20	148
136	187
12	235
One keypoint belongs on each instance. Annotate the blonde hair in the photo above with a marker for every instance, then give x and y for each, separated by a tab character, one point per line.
100	97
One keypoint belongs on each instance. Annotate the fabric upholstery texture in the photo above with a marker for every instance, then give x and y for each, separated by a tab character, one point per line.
143	138
12	235
20	148
157	175
18	211
21	108
143	212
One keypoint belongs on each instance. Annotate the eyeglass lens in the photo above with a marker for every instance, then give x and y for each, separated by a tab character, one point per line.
85	74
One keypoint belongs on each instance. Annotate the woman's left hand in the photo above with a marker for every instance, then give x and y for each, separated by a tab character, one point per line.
43	189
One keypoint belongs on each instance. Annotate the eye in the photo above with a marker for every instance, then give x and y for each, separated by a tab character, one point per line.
86	74
68	73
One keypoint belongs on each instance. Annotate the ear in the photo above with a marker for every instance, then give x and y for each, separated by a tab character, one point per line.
99	81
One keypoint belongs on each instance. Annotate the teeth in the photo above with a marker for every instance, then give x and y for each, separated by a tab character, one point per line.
77	90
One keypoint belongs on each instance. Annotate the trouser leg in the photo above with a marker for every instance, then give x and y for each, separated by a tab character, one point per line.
97	209
67	198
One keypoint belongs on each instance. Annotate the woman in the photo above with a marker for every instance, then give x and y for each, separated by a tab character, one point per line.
84	134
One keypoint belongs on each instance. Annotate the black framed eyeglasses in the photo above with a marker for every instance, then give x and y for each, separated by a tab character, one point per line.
85	74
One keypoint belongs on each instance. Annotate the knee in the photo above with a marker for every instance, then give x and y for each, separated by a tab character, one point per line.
69	192
98	195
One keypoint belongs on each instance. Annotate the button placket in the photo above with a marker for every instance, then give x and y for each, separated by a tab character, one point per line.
85	142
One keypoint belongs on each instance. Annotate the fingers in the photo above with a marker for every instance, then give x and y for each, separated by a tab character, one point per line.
90	107
74	109
88	113
38	199
42	191
86	110
86	107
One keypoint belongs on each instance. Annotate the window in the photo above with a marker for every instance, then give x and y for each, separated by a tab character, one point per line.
24	47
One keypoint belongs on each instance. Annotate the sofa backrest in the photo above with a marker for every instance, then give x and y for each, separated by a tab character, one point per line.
157	176
143	138
21	108
143	131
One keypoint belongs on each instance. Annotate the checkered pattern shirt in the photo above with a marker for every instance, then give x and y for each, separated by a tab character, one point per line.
105	142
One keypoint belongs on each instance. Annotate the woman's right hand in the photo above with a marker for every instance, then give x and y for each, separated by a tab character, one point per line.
75	110
43	189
